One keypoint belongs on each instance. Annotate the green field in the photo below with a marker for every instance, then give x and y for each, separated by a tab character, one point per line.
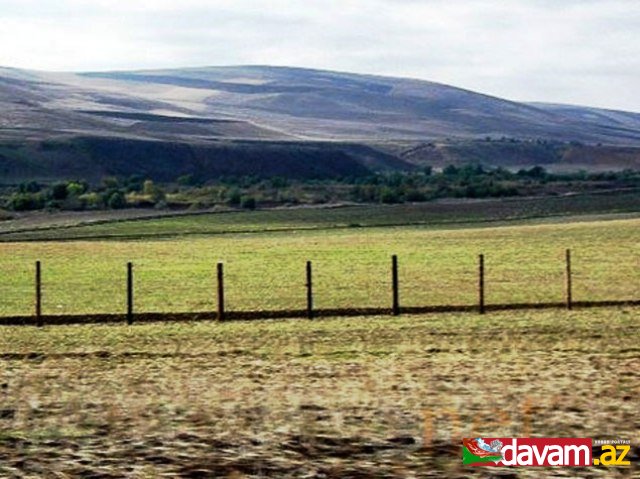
437	215
265	271
365	397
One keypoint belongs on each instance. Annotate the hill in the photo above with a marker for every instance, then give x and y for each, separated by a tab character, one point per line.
277	120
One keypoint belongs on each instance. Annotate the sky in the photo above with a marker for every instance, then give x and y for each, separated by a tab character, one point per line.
563	51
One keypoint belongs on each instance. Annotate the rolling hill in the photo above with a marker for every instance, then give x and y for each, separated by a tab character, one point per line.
291	121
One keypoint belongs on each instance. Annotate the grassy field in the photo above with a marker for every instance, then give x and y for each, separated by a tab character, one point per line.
333	398
265	271
360	398
443	214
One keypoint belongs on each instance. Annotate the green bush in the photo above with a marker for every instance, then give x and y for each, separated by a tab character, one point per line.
390	196
59	191
415	196
75	189
133	183
188	180
29	187
116	201
26	201
93	201
234	197
248	203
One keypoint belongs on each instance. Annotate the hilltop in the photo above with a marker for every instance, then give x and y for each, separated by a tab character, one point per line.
285	121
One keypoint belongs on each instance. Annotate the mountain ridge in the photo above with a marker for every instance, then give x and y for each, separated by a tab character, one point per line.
303	103
224	112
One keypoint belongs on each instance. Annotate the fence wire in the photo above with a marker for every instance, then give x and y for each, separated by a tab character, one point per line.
353	276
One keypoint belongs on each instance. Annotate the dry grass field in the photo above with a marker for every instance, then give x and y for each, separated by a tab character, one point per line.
336	398
333	398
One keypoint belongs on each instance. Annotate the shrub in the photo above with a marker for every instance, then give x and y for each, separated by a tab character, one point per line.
59	191
390	196
29	187
415	196
279	182
73	203
116	201
75	189
93	201
25	201
186	180
248	203
450	170
133	183
110	182
234	197
153	191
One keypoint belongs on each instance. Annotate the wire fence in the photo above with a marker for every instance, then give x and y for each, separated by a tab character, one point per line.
289	285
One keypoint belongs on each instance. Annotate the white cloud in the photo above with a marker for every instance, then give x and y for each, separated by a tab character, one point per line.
578	51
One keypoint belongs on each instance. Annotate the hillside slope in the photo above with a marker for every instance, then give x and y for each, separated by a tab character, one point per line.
323	104
291	121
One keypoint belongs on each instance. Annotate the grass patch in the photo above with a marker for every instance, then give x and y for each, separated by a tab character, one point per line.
524	264
461	214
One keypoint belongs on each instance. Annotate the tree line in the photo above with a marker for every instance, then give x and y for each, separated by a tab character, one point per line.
249	192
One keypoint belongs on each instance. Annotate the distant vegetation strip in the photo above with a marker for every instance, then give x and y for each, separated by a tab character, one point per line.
250	192
431	214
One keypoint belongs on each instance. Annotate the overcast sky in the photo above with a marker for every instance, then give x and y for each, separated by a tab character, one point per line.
567	51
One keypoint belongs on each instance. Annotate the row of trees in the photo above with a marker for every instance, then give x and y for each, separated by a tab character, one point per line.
79	195
468	181
111	193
